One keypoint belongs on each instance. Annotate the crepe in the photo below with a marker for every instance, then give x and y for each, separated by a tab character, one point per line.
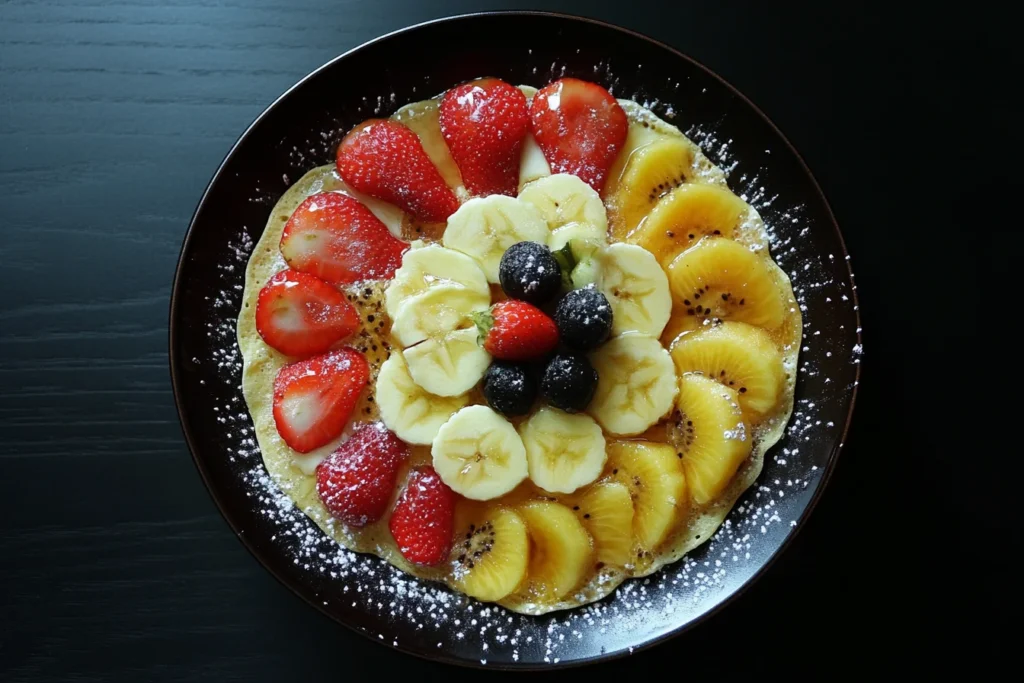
294	472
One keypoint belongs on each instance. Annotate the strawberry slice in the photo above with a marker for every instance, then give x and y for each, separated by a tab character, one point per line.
314	398
300	315
356	481
386	160
336	238
484	123
580	128
424	519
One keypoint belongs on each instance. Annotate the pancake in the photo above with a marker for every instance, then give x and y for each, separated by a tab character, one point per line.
294	472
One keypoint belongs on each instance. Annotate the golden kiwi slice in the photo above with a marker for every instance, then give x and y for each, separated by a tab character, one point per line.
651	173
739	356
656	483
719	278
490	552
711	435
686	214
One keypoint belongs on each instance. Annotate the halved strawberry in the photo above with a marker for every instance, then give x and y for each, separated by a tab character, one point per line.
314	398
580	128
386	160
423	521
299	314
336	238
356	481
484	123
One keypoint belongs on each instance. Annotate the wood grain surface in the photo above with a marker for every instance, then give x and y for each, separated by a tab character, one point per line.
114	563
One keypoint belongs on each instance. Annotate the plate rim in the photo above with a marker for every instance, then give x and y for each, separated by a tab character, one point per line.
191	440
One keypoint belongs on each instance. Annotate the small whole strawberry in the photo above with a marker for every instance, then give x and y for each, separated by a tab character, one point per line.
423	521
386	160
516	330
484	123
299	314
356	481
580	127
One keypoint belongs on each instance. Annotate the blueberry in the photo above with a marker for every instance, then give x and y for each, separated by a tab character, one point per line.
569	382
510	387
584	318
528	271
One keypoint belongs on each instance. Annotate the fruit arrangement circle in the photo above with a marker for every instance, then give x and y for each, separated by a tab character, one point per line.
525	343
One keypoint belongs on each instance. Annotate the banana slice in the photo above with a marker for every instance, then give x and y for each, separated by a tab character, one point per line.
719	278
430	266
687	214
564	451
711	435
479	454
560	552
406	409
491	551
583	232
637	289
435	312
739	356
606	512
532	164
636	383
448	365
563	198
484	227
656	483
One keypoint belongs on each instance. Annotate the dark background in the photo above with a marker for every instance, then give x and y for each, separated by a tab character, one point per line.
114	114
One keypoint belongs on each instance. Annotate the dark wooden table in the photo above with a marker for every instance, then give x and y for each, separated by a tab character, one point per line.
114	563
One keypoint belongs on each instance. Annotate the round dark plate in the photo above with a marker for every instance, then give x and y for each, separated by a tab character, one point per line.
302	129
